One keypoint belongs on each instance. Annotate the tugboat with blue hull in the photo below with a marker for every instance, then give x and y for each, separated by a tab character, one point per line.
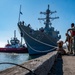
43	40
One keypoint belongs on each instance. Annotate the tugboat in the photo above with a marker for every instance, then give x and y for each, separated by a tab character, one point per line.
43	40
14	46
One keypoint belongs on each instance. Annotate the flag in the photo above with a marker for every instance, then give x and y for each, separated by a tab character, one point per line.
21	13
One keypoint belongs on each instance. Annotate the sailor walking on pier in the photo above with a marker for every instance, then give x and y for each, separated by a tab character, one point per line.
72	32
68	39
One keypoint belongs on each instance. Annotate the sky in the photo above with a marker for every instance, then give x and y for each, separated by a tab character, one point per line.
9	13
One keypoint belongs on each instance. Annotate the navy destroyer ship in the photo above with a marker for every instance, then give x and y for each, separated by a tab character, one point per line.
44	39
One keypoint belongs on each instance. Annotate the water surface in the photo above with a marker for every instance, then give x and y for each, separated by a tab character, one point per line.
13	58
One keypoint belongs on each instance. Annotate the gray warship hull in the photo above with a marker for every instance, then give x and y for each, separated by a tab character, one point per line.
37	42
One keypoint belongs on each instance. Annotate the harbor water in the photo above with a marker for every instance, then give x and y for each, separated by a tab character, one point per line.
12	58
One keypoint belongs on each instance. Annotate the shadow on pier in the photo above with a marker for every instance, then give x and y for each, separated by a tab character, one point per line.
57	68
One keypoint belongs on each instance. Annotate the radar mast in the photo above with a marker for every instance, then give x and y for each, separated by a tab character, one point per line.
48	18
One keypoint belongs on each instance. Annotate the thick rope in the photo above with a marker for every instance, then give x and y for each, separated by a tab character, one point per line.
43	50
36	39
19	66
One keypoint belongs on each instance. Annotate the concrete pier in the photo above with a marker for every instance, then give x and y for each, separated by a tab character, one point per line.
39	66
68	65
64	65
